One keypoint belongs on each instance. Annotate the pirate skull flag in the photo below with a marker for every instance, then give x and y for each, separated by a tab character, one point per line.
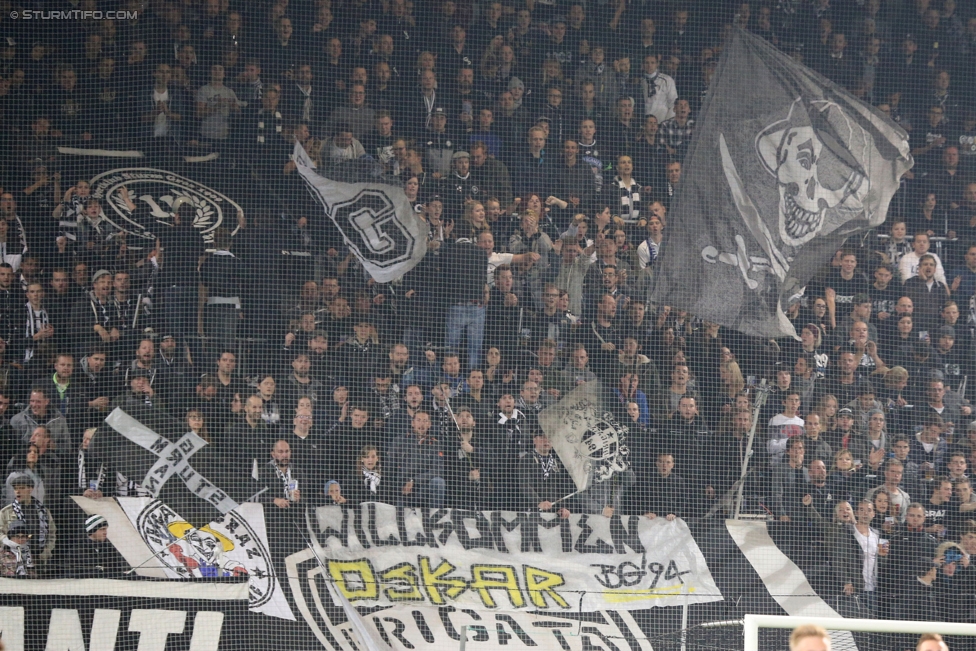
372	213
154	450
785	166
591	444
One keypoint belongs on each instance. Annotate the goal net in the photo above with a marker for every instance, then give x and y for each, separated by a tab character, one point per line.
773	632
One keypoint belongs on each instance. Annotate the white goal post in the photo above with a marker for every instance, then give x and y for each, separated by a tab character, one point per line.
753	623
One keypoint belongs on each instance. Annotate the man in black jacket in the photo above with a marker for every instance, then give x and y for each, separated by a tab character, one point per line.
543	480
95	557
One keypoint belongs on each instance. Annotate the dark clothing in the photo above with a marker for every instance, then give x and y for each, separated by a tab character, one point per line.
97	560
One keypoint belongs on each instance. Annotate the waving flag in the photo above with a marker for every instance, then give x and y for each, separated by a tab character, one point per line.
591	444
784	167
174	466
375	217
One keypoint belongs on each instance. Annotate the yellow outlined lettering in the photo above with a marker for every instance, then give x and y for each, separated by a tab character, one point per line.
494	577
539	583
436	580
406	588
362	568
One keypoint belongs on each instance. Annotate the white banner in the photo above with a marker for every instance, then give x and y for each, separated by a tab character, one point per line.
409	627
377	555
158	542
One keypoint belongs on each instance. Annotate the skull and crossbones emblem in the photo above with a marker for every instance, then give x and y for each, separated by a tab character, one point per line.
809	153
814	172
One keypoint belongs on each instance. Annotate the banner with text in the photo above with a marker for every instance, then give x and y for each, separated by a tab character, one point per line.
378	555
107	615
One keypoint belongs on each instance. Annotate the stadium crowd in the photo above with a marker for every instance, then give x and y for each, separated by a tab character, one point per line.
543	143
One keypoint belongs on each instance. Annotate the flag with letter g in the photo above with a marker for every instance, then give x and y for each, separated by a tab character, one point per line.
784	166
373	214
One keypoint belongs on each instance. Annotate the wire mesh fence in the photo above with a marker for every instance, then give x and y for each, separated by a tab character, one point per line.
307	284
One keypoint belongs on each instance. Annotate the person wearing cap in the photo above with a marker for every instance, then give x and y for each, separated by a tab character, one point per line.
35	516
16	558
332	493
94	557
439	144
141	393
96	317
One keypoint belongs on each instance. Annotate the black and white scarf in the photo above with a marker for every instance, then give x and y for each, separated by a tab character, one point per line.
42	522
83	481
371	479
36	321
547	463
22	557
285	478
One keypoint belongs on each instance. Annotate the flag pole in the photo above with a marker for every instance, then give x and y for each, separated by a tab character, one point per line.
164	549
763	392
576	493
568	496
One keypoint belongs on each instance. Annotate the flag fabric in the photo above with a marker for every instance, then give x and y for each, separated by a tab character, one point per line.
590	443
784	166
155	450
374	215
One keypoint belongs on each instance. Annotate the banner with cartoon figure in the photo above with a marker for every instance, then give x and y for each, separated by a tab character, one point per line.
158	542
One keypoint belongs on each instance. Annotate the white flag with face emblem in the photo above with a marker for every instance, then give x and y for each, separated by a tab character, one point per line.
591	444
375	218
784	166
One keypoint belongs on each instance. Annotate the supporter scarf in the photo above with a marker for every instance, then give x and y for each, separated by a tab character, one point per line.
36	320
42	522
371	479
22	556
83	473
285	478
547	463
306	114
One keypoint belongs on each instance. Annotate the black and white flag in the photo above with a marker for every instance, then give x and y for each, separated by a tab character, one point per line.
784	167
375	218
175	466
591	444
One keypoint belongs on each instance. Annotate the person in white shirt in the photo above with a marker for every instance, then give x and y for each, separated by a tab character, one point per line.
784	426
486	242
658	90
650	249
908	265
